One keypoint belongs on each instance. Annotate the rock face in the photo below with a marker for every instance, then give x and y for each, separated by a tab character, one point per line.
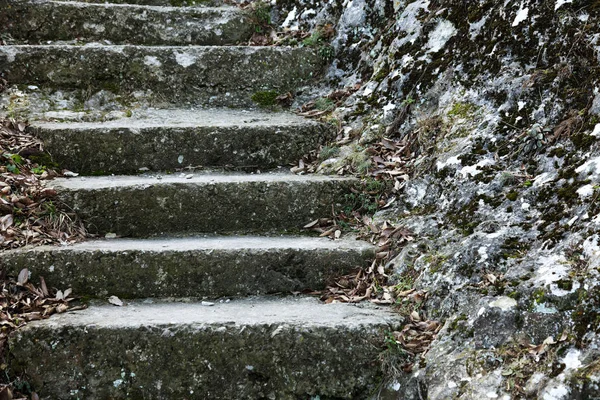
501	102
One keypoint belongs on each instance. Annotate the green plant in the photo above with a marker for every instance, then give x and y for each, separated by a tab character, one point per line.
261	16
328	152
408	101
324	104
319	40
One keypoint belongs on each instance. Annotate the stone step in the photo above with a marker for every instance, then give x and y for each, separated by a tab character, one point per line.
203	202
201	267
294	348
38	21
164	140
165	3
212	75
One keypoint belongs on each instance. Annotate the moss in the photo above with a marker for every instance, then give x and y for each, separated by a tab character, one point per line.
462	110
583	141
512	195
457	322
267	98
565	284
557	152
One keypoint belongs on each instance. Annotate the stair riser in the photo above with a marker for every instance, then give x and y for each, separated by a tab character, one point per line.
220	207
226	361
215	76
201	273
37	22
123	151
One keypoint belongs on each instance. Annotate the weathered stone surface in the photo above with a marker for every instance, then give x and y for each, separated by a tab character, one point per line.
247	349
218	76
150	205
191	267
38	21
169	139
173	3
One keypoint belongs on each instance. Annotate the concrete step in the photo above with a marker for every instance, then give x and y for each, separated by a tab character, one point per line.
293	348
165	3
213	75
164	140
202	267
204	202
39	21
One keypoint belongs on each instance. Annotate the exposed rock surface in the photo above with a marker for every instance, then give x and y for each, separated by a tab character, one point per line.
504	99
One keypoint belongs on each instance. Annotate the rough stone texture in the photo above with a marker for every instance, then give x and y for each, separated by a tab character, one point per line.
192	267
501	102
247	349
170	139
40	21
218	76
150	205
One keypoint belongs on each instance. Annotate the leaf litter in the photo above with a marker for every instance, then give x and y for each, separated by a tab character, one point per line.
30	214
390	162
21	301
29	210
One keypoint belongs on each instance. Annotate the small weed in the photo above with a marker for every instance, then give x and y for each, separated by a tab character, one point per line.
261	17
328	152
324	104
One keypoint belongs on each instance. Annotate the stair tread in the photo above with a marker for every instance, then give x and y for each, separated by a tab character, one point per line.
184	10
192	75
231	243
81	22
181	118
303	311
198	178
197	267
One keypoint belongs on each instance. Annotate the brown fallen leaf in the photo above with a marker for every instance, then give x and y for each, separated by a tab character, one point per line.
23	276
114	300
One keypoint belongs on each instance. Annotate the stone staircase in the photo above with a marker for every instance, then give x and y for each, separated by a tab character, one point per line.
209	256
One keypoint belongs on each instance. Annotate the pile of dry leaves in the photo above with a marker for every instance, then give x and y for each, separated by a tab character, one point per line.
21	302
390	161
29	213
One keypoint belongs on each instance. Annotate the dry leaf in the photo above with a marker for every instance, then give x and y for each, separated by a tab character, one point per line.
114	300
23	276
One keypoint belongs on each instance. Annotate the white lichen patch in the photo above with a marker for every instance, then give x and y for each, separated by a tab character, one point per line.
409	23
291	17
590	169
572	359
185	59
475	27
504	303
440	36
522	15
585	191
552	268
560	3
152	61
473	170
96	28
450	161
